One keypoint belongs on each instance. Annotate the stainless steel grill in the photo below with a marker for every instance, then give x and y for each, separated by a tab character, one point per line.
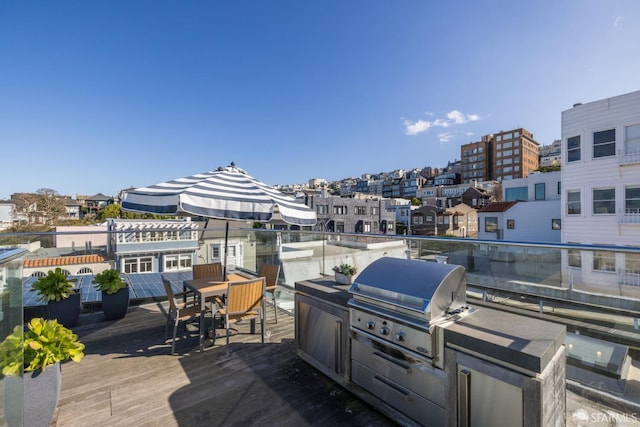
397	347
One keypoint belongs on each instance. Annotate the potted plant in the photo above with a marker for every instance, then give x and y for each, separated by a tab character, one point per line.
344	273
115	293
63	301
36	355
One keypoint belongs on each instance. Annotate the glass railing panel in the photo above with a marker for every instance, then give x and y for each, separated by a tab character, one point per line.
10	319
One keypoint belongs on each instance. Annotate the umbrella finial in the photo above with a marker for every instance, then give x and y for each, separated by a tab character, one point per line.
233	164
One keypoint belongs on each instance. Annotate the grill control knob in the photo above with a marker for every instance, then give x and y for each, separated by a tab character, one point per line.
401	336
371	324
385	330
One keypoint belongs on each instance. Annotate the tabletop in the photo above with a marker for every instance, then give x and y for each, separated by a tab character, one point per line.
207	287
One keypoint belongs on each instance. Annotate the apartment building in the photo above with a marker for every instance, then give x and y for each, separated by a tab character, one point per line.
601	190
500	156
358	214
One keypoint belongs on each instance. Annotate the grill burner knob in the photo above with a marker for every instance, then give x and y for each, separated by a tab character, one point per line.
401	336
371	324
385	330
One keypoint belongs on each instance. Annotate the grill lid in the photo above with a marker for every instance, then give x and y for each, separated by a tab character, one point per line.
428	288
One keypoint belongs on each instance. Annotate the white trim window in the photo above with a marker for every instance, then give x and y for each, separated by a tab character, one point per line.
604	143
604	201
177	262
632	199
138	265
604	261
573	149
574	258
573	202
632	139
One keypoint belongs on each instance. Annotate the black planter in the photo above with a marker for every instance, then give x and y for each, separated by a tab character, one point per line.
115	305
67	311
32	400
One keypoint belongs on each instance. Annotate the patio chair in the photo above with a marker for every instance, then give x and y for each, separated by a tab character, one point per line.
178	311
270	272
245	300
211	271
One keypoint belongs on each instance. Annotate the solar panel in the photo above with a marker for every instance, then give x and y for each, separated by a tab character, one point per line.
141	286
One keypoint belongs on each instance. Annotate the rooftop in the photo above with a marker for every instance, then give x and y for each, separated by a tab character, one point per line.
129	378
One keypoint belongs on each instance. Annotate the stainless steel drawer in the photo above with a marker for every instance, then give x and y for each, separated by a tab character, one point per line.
406	401
418	376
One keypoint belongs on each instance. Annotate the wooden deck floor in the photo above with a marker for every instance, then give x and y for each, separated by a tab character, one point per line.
129	378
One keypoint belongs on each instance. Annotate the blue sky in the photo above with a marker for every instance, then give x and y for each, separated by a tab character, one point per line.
96	96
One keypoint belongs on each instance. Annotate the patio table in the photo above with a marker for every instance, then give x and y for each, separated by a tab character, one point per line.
207	288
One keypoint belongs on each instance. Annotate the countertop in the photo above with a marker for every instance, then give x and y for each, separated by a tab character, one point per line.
325	289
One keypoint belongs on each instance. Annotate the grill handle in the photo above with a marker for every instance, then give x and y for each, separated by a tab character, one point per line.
393	362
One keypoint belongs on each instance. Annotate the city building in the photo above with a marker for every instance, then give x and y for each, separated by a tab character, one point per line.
500	156
601	190
358	214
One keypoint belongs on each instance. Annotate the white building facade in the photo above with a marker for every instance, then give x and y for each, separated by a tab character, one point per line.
601	191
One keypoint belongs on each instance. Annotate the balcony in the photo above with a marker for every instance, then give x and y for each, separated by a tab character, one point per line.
629	158
128	376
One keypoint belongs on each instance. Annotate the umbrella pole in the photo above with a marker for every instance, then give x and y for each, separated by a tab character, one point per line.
226	243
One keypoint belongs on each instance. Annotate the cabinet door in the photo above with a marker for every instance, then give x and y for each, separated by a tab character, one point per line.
486	401
321	333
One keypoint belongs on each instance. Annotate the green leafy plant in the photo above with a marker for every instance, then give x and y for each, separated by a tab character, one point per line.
345	269
45	343
109	281
55	286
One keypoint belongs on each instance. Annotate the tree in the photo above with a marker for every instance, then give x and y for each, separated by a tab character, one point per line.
51	205
416	202
109	211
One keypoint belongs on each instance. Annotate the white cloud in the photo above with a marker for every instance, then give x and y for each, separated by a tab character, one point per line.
444	136
617	21
414	128
454	117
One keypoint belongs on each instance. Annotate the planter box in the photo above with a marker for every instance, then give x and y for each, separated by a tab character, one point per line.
66	311
115	306
32	400
343	279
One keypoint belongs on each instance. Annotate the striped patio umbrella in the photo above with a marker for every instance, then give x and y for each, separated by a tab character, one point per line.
226	193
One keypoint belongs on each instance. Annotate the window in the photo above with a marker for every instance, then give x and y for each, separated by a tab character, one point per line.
604	143
632	199
375	210
84	270
632	263
360	210
146	265
515	193
367	227
183	262
604	261
540	191
632	139
491	224
573	149
339	227
574	258
390	226
511	224
555	224
559	187
322	209
131	265
604	201
573	202
339	210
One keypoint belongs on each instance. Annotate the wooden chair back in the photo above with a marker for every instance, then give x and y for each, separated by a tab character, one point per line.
211	271
270	272
170	297
244	297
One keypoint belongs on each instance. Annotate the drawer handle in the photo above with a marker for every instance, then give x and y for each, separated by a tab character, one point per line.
405	394
395	362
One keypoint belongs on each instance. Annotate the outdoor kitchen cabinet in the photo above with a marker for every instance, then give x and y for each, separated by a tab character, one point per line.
322	327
